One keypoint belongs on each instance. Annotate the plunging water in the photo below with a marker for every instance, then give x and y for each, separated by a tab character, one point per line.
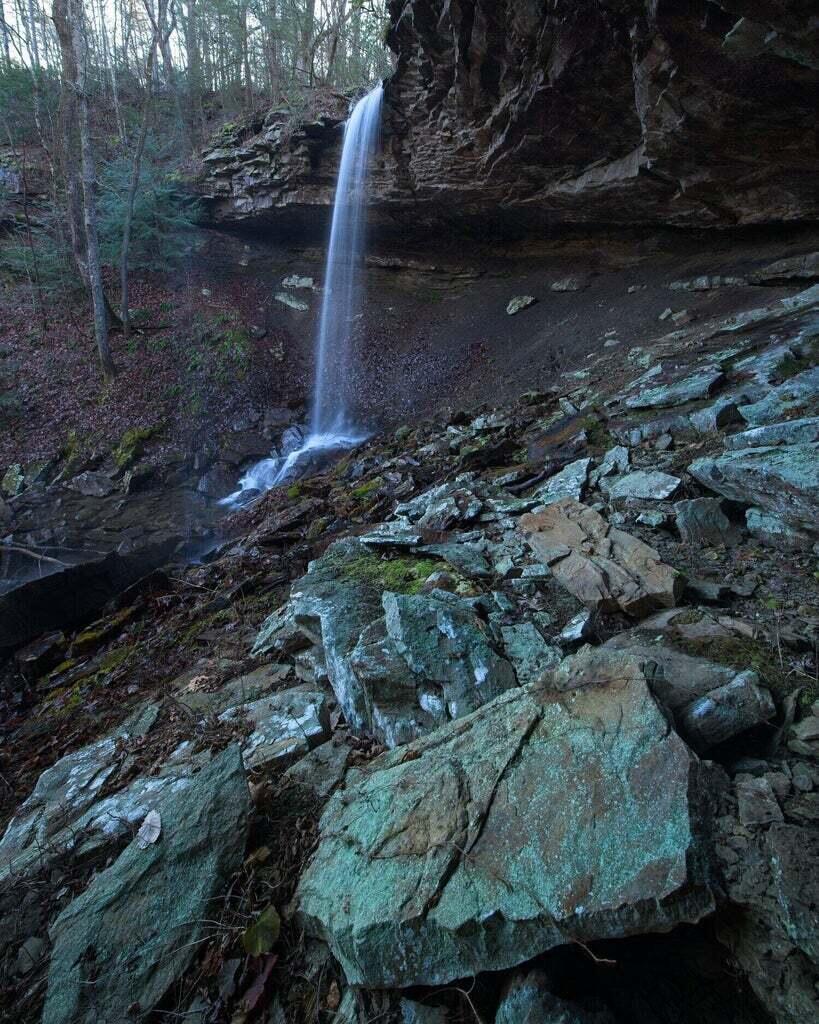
330	423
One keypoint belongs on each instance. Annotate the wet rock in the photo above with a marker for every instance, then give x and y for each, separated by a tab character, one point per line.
570	482
92	485
603	567
502	835
775	886
757	803
527	999
286	725
123	942
702	523
573	283
614	462
400	662
798	431
13	481
30	954
577	629
529	653
772	531
292	302
799	394
725	712
74	594
792	268
782	480
220	479
646	484
716	416
697	386
519	303
322	770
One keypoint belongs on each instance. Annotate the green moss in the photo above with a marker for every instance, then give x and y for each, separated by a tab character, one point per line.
742	653
131	445
792	366
365	490
400	575
597	434
294	491
317	528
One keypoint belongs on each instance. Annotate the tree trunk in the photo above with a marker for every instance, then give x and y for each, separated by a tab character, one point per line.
134	186
68	19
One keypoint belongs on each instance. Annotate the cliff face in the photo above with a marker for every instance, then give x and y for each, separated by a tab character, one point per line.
522	113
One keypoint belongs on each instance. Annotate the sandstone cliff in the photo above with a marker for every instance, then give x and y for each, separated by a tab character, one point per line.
520	114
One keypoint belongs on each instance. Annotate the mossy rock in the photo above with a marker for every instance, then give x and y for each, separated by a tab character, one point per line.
132	444
401	575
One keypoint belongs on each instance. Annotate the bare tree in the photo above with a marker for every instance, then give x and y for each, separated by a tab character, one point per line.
69	20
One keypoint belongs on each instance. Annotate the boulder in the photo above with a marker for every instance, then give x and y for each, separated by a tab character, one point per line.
772	878
702	523
645	484
400	661
286	725
798	394
570	482
92	485
725	712
528	651
527	999
772	531
678	392
782	480
560	812
134	931
603	567
519	303
798	431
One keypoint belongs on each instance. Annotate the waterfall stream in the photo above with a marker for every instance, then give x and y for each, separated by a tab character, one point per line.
330	425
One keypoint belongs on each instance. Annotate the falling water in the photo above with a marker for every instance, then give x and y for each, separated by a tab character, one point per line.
330	425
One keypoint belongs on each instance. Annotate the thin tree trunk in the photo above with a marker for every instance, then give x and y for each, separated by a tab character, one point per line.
68	15
135	171
4	30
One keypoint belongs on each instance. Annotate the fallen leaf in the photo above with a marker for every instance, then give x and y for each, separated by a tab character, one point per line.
261	936
333	996
259	856
149	830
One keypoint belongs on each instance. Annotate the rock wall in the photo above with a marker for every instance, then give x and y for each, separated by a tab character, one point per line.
520	114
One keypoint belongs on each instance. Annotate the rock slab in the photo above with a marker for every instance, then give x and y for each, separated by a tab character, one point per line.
548	815
132	933
605	568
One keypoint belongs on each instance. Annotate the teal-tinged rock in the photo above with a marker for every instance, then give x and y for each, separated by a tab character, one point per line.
562	811
132	933
782	480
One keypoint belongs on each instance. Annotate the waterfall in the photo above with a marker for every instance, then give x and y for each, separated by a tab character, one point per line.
330	425
342	281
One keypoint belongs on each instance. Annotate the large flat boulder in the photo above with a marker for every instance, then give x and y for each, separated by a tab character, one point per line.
783	480
561	811
605	568
121	944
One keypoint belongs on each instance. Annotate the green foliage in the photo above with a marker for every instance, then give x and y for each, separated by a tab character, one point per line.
162	229
43	257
